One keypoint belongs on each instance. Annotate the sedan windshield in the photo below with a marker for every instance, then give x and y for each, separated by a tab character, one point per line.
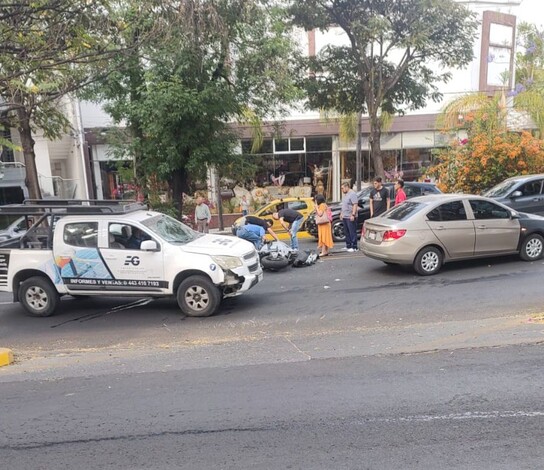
404	211
501	190
171	230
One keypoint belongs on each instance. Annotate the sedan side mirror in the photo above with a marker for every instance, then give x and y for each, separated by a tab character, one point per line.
149	245
516	194
514	215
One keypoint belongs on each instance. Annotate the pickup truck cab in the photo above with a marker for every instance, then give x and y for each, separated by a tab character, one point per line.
121	250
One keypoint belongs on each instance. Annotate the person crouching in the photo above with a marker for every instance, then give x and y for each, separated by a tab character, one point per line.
252	233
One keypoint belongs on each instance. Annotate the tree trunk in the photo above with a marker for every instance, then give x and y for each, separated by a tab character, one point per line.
375	147
178	185
27	142
219	200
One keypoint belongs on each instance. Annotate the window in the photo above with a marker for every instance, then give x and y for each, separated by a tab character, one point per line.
412	191
83	234
404	211
290	145
488	210
297	205
126	236
450	211
531	188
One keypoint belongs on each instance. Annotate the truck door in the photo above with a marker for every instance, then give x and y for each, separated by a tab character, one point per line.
132	268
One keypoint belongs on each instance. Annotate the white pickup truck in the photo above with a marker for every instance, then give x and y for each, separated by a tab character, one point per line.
90	248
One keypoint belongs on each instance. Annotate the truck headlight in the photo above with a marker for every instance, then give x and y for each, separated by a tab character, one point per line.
228	262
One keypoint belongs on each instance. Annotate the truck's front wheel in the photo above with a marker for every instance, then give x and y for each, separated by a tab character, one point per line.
38	296
198	297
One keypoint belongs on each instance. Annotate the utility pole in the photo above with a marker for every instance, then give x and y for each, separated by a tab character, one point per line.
219	200
358	150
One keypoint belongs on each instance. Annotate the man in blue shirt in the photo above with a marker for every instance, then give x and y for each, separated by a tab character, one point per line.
350	207
252	233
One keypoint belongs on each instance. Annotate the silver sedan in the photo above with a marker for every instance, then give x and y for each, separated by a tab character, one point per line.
426	232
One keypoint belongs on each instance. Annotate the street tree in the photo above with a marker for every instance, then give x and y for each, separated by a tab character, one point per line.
46	47
398	52
493	151
206	64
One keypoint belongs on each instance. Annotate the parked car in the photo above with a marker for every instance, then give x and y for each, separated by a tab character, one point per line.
304	205
412	189
411	171
522	193
426	232
15	229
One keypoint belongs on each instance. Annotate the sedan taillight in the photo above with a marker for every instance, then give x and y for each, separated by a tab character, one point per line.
391	235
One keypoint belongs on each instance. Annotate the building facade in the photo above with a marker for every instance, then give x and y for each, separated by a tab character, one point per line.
308	149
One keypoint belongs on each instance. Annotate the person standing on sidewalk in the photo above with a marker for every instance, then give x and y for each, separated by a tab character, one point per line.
379	198
350	206
203	216
324	231
244	206
400	196
294	219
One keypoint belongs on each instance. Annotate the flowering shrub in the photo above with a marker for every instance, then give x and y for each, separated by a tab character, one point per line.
486	159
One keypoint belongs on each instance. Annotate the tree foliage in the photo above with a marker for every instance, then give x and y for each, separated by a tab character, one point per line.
46	47
492	152
485	159
398	51
206	63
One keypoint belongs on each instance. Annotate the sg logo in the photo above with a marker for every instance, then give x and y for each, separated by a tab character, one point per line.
134	260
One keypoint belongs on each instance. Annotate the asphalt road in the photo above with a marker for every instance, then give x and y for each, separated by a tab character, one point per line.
342	293
345	364
468	409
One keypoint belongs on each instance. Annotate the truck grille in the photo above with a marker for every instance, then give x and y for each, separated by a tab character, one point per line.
4	263
250	255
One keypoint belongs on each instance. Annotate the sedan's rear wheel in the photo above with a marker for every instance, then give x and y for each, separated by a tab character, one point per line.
532	248
428	261
338	233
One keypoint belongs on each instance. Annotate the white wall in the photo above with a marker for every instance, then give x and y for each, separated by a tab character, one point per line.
92	115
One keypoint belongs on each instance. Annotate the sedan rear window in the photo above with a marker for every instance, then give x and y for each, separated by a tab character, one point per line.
404	211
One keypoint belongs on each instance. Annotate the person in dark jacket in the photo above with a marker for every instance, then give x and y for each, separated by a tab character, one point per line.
290	220
264	223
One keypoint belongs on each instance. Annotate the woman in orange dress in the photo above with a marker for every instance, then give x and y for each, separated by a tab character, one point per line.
324	231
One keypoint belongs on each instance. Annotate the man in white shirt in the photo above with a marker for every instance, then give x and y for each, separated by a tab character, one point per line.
203	216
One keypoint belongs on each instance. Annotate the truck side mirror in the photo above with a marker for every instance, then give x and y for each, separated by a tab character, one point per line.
149	245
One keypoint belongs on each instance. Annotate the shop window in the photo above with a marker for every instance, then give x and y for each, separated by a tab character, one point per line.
290	145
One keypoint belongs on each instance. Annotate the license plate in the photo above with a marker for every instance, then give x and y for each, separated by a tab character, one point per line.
372	235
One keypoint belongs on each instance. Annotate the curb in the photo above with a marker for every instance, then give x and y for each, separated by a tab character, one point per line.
6	357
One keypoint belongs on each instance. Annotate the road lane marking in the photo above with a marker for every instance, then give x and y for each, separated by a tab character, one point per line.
470	415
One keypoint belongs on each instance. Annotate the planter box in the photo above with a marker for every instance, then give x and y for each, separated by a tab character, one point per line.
228	220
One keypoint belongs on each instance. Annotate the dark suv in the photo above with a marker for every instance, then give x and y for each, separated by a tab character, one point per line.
522	193
412	189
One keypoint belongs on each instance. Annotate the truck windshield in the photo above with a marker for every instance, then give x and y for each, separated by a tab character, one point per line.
171	230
